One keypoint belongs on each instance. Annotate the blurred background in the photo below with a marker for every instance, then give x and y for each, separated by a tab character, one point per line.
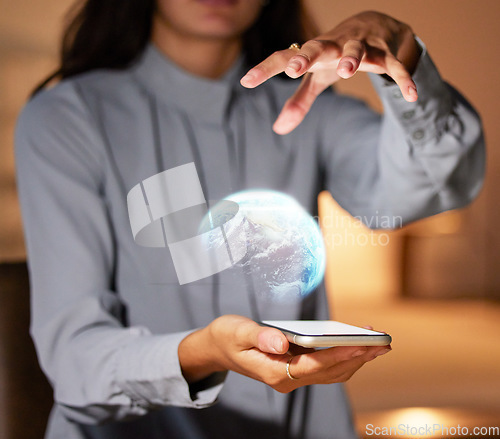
434	286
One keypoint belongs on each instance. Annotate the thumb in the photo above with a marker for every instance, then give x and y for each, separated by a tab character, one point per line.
271	340
299	104
249	334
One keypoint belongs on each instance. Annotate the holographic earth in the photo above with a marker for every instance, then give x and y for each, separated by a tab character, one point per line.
285	258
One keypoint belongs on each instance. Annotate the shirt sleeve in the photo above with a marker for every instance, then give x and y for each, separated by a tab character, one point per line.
416	160
99	369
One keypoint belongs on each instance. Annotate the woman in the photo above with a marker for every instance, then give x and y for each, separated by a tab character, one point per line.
146	88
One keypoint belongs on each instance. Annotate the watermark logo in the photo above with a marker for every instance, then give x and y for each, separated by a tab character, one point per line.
430	430
166	210
361	231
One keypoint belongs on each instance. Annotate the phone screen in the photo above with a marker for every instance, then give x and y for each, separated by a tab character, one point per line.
319	327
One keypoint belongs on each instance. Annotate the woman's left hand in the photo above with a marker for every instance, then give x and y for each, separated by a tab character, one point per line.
369	41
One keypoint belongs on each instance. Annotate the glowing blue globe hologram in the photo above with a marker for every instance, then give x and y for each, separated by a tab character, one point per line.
285	257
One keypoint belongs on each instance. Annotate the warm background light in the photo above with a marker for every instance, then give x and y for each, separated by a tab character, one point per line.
419	422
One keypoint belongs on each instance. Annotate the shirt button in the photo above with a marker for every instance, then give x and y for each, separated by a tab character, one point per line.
407	115
418	134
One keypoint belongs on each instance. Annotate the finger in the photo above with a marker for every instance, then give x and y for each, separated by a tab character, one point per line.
372	329
271	66
352	54
331	364
397	71
377	351
271	340
311	53
304	58
344	370
299	104
320	361
294	349
247	334
296	107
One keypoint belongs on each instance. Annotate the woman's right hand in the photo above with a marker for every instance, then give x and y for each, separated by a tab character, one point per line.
369	41
239	344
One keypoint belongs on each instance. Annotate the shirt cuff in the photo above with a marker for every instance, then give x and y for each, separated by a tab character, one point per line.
424	119
149	373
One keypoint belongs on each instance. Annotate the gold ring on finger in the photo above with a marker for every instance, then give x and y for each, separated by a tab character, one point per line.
295	47
288	369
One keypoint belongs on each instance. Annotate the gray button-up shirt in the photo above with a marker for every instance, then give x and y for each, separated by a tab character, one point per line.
107	314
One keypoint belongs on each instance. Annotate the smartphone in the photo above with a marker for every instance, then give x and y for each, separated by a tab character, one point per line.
327	333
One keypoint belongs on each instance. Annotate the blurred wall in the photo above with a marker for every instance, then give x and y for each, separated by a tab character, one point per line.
445	257
29	32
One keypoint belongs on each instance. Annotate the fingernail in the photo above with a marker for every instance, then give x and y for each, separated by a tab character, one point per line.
346	65
248	77
412	92
294	65
277	344
358	353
